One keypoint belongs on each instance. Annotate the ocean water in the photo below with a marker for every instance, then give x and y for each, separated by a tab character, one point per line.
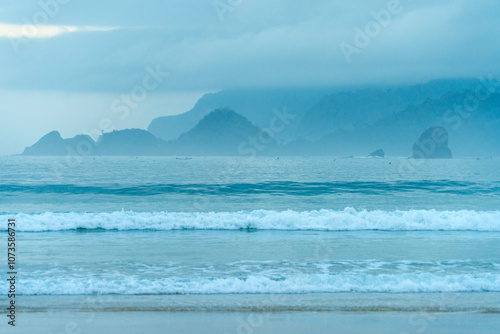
269	234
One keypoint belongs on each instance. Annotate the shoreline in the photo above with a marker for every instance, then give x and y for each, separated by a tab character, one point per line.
468	302
238	322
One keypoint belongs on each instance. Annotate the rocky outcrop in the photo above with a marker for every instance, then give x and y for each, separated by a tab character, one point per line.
432	144
52	144
378	153
123	142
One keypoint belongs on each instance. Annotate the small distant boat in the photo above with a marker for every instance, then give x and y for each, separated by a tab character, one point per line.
186	158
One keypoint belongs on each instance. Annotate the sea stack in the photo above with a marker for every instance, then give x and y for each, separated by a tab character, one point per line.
378	153
432	144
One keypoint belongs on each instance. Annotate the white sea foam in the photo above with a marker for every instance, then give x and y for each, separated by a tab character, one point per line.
322	220
297	284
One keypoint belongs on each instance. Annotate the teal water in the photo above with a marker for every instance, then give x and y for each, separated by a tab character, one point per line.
311	234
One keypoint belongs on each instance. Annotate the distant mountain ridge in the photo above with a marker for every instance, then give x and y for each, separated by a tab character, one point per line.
318	110
218	133
361	108
256	105
53	144
340	123
123	142
470	134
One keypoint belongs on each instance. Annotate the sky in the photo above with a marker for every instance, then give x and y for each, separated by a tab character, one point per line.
69	65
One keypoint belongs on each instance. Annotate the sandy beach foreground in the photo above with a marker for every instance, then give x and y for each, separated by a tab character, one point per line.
235	322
